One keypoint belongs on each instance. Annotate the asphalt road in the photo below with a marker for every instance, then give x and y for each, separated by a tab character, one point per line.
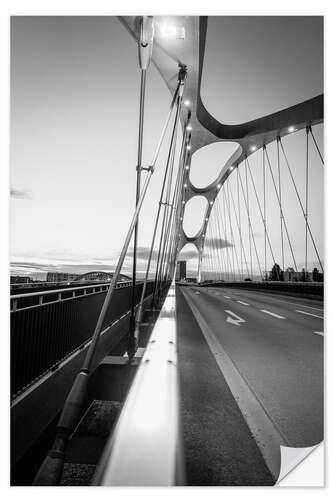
276	344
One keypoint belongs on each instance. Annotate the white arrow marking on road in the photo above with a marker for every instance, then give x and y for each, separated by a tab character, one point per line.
272	314
310	314
319	333
236	321
244	303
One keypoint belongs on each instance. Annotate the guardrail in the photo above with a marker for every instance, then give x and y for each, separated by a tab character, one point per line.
145	448
313	289
48	326
36	299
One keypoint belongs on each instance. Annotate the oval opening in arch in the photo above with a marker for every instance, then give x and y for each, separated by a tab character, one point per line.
189	254
194	214
207	162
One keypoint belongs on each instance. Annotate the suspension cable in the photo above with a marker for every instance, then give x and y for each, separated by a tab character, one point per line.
138	317
306	202
248	216
170	160
283	218
251	229
238	225
224	234
280	202
170	231
316	144
231	228
224	266
228	220
217	239
262	217
225	185
300	203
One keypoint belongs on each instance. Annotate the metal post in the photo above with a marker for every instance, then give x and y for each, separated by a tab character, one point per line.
138	187
138	317
145	47
181	80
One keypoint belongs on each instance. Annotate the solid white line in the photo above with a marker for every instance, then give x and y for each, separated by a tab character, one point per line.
244	303
310	314
272	314
319	333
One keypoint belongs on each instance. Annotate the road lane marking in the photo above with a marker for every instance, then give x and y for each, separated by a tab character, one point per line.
236	320
266	433
319	333
310	314
226	296
264	294
244	303
272	314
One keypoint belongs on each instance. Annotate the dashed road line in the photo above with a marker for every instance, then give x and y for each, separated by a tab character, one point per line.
226	296
272	314
244	303
290	302
310	314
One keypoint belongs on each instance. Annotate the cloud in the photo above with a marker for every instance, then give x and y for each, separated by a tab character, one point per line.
20	194
189	254
217	242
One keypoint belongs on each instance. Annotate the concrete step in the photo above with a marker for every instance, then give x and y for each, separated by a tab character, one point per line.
88	441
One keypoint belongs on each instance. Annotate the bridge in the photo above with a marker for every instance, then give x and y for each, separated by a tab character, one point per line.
146	381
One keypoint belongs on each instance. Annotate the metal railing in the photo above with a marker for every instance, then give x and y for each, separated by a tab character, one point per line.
47	327
35	299
145	448
298	287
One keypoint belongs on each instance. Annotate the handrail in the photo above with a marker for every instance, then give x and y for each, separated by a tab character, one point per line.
120	284
145	448
16	305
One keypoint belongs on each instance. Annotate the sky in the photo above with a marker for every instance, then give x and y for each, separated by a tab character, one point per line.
74	120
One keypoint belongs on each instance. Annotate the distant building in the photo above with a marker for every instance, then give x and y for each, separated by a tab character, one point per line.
181	270
20	279
59	277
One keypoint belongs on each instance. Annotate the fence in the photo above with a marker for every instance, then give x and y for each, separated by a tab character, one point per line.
47	326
